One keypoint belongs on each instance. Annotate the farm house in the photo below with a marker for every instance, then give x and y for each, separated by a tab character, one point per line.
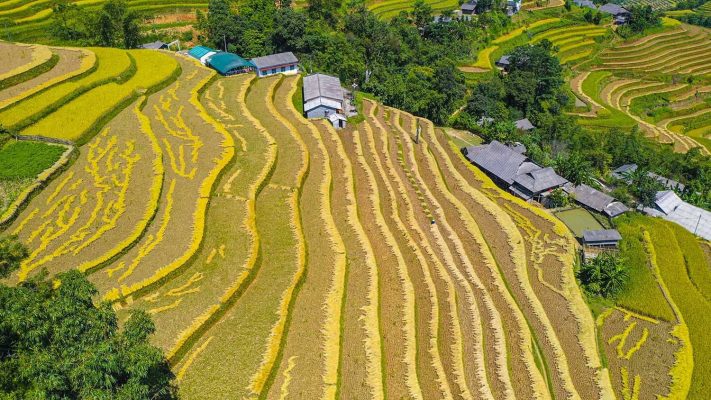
323	96
282	63
671	207
602	238
534	182
619	14
511	169
595	200
230	64
201	53
625	172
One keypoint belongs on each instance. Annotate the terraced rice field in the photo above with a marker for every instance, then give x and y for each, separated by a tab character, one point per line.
659	82
386	9
574	43
705	9
280	258
28	20
657	5
663	320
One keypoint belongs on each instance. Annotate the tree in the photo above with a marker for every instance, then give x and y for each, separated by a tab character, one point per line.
645	187
422	14
56	344
558	198
131	31
574	168
605	275
12	252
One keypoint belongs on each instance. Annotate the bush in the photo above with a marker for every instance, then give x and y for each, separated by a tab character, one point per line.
605	275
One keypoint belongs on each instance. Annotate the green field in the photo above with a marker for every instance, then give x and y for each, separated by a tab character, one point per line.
20	163
578	220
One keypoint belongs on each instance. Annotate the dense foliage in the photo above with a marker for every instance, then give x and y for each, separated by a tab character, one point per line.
409	62
12	252
695	19
112	25
605	275
641	18
533	88
56	344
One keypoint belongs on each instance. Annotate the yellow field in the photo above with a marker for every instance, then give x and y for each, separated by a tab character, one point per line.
281	258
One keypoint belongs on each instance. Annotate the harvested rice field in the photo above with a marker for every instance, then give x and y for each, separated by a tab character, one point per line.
280	258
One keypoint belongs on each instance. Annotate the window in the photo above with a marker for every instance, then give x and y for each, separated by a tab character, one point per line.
273	70
283	69
291	67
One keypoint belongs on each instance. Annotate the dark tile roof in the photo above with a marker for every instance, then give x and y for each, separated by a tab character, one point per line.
274	60
157	45
497	159
539	180
591	197
613	9
524	124
602	235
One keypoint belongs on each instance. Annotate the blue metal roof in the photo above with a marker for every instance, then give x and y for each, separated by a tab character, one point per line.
199	51
225	62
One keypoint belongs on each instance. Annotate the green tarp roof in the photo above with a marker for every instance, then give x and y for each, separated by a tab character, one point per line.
199	51
225	62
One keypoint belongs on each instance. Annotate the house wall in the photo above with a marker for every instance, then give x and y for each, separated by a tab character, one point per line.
320	112
290	69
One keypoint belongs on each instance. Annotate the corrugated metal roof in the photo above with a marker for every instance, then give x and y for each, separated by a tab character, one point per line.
322	101
274	60
694	219
225	62
320	85
602	235
199	51
497	159
667	201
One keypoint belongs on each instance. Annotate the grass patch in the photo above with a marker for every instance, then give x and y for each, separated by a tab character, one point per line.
578	220
25	159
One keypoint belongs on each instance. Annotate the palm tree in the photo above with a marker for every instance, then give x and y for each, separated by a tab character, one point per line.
604	275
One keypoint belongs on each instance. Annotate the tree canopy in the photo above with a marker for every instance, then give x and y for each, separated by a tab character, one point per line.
55	343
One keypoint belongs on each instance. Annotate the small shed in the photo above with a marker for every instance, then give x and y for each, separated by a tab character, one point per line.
201	53
504	62
585	4
469	8
230	64
282	63
602	238
524	125
157	45
337	120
